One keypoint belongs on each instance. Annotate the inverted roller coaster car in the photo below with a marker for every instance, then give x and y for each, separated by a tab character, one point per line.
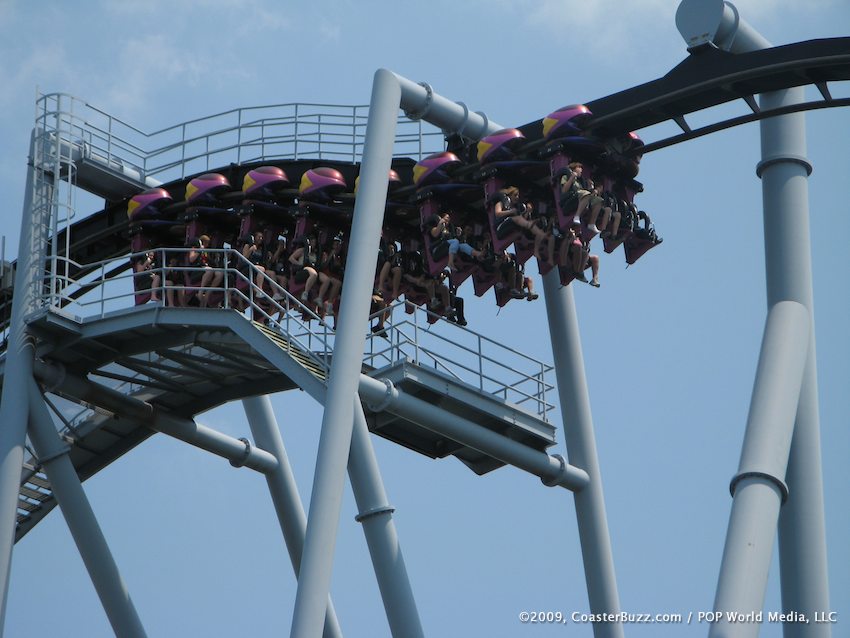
148	204
500	146
321	184
567	121
205	188
624	155
264	181
433	169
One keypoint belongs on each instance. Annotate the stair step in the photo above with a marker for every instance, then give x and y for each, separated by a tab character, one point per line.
296	353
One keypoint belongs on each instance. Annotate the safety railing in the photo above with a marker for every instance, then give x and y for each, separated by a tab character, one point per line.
231	282
462	354
109	286
243	135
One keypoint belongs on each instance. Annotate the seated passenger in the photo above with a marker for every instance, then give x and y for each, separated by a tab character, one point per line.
303	261
332	266
278	267
511	213
390	269
144	276
575	254
605	210
610	204
255	252
213	274
443	232
577	196
175	295
416	275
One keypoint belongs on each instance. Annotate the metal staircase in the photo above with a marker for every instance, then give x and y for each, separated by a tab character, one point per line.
185	361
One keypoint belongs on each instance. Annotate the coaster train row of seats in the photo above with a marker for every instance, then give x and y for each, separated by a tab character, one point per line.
322	205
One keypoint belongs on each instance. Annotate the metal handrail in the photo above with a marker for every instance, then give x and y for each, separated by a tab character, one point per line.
280	131
463	354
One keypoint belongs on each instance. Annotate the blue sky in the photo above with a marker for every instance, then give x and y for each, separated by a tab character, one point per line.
670	344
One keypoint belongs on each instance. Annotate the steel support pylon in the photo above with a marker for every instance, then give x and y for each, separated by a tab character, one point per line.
389	93
580	441
20	350
784	170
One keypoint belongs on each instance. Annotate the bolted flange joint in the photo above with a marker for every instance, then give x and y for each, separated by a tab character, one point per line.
375	511
240	462
783	488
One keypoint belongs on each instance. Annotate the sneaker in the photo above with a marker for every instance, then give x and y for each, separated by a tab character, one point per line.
580	277
305	296
329	309
277	296
532	296
593	229
516	294
595	283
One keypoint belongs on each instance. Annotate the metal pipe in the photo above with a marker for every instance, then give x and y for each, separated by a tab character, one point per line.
338	419
420	102
759	488
389	92
239	452
552	470
284	492
784	169
375	514
79	516
580	442
20	350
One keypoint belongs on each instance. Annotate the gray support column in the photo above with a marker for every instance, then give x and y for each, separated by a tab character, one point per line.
284	491
581	450
338	419
375	514
17	373
81	520
784	169
759	489
784	172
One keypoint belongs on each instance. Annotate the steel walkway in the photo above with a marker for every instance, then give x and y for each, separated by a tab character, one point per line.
185	361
